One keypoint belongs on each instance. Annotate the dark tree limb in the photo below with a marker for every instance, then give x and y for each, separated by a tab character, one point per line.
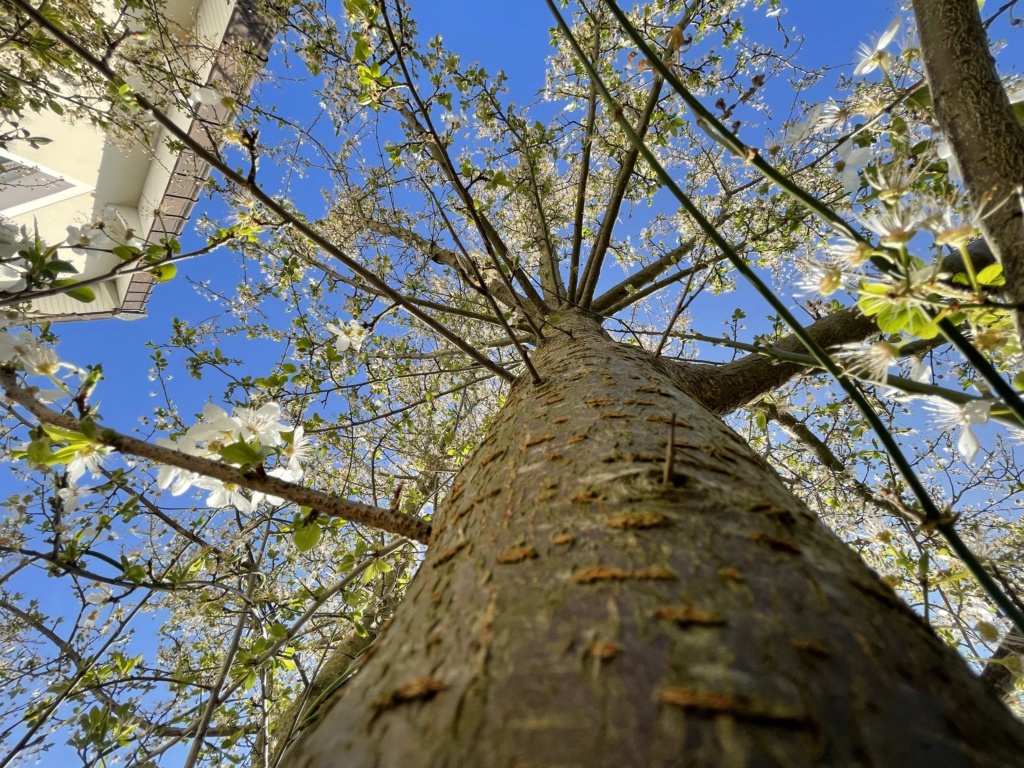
739	383
581	183
644	277
592	270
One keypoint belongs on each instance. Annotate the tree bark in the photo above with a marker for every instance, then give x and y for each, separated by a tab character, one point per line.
575	610
973	109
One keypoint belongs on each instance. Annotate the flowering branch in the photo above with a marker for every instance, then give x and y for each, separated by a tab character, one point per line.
255	480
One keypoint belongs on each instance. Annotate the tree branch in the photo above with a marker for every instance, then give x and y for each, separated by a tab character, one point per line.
357	512
750	378
592	270
643	277
581	184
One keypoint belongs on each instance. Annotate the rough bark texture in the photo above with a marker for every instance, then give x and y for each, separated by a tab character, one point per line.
974	111
741	382
575	611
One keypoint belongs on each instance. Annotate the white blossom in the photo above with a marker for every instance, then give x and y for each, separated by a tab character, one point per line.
207	94
70	498
224	494
88	459
920	371
13	239
874	56
851	253
871	361
820	279
852	158
347	337
947	415
295	452
215	429
895	227
101	595
261	424
84	240
14	349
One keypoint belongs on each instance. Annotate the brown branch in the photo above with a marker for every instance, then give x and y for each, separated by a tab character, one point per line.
357	512
750	378
592	270
581	185
643	277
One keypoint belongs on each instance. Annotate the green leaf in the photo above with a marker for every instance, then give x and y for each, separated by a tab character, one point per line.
125	252
59	433
135	574
81	293
992	275
241	453
892	319
306	536
164	272
362	51
39	452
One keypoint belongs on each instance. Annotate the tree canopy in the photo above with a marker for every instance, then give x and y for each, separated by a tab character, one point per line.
817	248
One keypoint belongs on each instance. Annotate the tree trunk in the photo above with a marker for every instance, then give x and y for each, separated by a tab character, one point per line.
574	610
973	109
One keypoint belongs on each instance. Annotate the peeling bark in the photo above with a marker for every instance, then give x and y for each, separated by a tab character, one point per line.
575	610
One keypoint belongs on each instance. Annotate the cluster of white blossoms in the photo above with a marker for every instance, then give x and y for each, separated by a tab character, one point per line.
101	236
216	431
25	351
347	337
86	240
